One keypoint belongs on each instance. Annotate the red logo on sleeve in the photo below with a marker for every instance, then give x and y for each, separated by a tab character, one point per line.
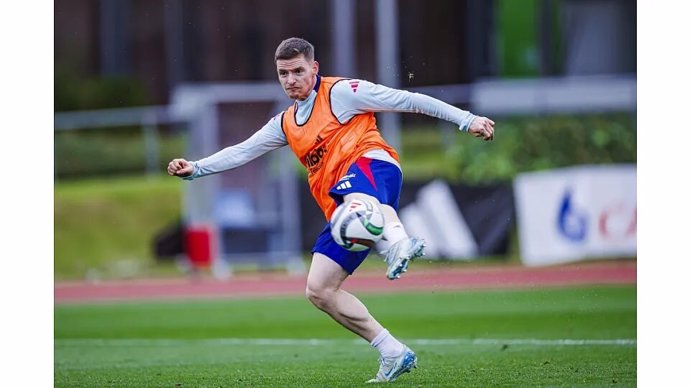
354	84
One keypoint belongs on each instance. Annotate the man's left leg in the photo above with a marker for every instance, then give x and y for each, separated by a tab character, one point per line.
323	290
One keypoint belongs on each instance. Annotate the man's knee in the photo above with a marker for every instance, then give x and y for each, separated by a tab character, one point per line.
389	213
319	295
324	280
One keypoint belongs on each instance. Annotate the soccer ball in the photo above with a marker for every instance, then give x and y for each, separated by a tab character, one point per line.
357	225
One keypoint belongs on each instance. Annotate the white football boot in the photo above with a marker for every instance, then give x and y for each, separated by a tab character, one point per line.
391	368
398	256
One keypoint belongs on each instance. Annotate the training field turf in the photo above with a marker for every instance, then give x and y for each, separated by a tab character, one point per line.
575	336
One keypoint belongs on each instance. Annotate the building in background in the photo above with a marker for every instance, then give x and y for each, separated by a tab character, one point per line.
158	44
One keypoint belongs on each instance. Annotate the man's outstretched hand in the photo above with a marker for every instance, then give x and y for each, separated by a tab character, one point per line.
482	127
180	167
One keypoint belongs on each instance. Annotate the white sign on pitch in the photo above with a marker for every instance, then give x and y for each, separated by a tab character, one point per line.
577	213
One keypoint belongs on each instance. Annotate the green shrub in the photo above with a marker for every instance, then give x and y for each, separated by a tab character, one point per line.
521	144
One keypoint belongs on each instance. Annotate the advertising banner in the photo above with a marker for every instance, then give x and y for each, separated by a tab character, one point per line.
436	217
459	222
577	213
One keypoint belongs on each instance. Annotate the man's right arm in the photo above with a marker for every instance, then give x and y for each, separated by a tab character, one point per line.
268	138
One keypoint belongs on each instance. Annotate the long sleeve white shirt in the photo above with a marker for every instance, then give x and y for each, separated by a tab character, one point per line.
345	104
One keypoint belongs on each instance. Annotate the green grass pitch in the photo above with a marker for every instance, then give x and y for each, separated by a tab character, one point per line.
582	337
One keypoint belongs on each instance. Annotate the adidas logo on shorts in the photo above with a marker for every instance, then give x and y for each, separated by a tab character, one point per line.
344	185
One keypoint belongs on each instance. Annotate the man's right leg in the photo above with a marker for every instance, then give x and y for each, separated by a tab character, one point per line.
401	247
380	181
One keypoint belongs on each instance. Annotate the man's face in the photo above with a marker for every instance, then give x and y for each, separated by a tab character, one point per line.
297	76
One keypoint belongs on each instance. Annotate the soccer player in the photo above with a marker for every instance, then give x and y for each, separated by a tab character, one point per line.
332	130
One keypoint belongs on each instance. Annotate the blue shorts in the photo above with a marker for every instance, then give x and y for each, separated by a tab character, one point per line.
377	178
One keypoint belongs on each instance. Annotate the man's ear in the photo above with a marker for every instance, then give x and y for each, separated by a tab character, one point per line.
315	67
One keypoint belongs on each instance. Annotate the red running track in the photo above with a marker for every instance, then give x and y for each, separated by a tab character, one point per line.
257	285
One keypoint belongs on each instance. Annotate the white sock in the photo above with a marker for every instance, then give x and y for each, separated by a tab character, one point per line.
387	345
394	232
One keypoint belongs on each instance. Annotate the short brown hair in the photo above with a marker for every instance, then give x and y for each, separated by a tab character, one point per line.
293	47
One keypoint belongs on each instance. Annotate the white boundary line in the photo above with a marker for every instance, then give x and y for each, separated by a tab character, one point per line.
135	342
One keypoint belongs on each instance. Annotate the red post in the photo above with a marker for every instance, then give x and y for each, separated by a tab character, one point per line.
198	243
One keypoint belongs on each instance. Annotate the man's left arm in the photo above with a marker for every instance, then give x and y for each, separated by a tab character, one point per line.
351	97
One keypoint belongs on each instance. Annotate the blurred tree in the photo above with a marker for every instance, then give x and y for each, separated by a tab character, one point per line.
74	91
